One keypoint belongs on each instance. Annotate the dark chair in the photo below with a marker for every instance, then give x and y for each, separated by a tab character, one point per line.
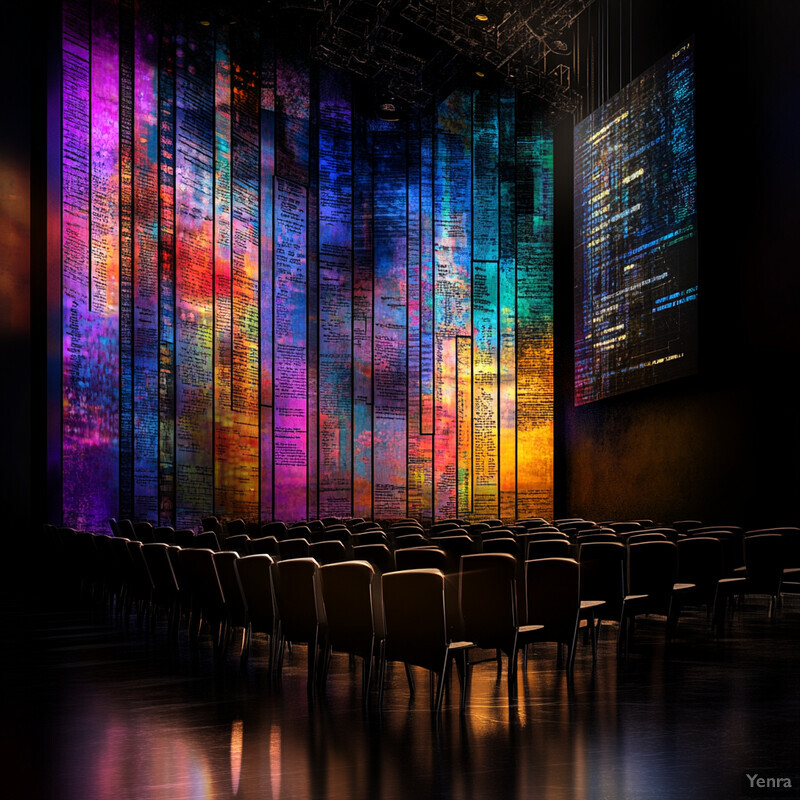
623	527
164	534
327	552
373	536
552	592
208	540
653	536
410	540
204	595
301	613
351	591
276	528
763	574
264	545
235	527
417	632
184	537
255	577
126	529
547	548
144	531
239	543
488	603
602	576
700	562
235	603
652	586
166	590
421	558
507	546
379	555
293	548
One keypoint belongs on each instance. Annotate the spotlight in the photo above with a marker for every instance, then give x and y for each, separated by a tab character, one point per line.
387	108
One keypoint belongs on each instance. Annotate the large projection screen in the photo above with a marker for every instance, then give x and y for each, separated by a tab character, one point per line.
636	259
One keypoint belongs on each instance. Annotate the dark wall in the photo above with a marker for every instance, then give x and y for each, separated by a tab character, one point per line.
720	446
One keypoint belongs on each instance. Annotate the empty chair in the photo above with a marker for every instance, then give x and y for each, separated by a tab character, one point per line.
455	547
602	576
184	537
327	552
351	591
240	543
585	538
235	603
255	577
623	527
293	548
211	523
439	527
372	536
206	600
421	558
547	548
365	525
301	613
649	536
652	586
263	545
488	603
166	590
277	528
410	540
791	546
236	527
552	593
763	573
126	529
378	555
164	534
416	631
208	540
330	521
700	562
501	545
144	531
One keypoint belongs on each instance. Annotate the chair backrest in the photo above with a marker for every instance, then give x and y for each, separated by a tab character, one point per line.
236	527
264	544
548	548
200	579
585	538
144	531
652	568
293	548
365	525
126	529
207	540
164	534
238	542
552	597
327	552
353	607
602	574
623	526
379	555
488	599
184	537
700	561
414	615
650	536
277	528
372	536
235	603
298	598
501	545
159	562
764	561
421	558
410	540
255	577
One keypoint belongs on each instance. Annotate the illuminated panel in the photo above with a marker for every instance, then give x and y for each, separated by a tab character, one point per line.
486	254
126	247
267	152
145	270
224	464
507	300
90	265
290	351
635	235
534	319
292	107
452	301
335	297
194	255
244	498
420	454
166	275
464	425
389	340
426	299
362	321
312	326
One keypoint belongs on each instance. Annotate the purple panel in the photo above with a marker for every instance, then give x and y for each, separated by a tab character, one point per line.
335	297
290	351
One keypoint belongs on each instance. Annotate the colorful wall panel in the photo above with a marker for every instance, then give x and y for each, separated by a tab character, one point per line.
275	305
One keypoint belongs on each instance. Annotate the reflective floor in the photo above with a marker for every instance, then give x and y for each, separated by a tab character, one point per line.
93	710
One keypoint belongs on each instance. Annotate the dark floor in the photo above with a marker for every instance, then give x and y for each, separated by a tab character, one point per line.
95	711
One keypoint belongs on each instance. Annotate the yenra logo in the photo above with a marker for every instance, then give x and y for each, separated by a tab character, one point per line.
757	782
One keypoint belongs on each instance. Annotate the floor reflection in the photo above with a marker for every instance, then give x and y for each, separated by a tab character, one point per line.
116	713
